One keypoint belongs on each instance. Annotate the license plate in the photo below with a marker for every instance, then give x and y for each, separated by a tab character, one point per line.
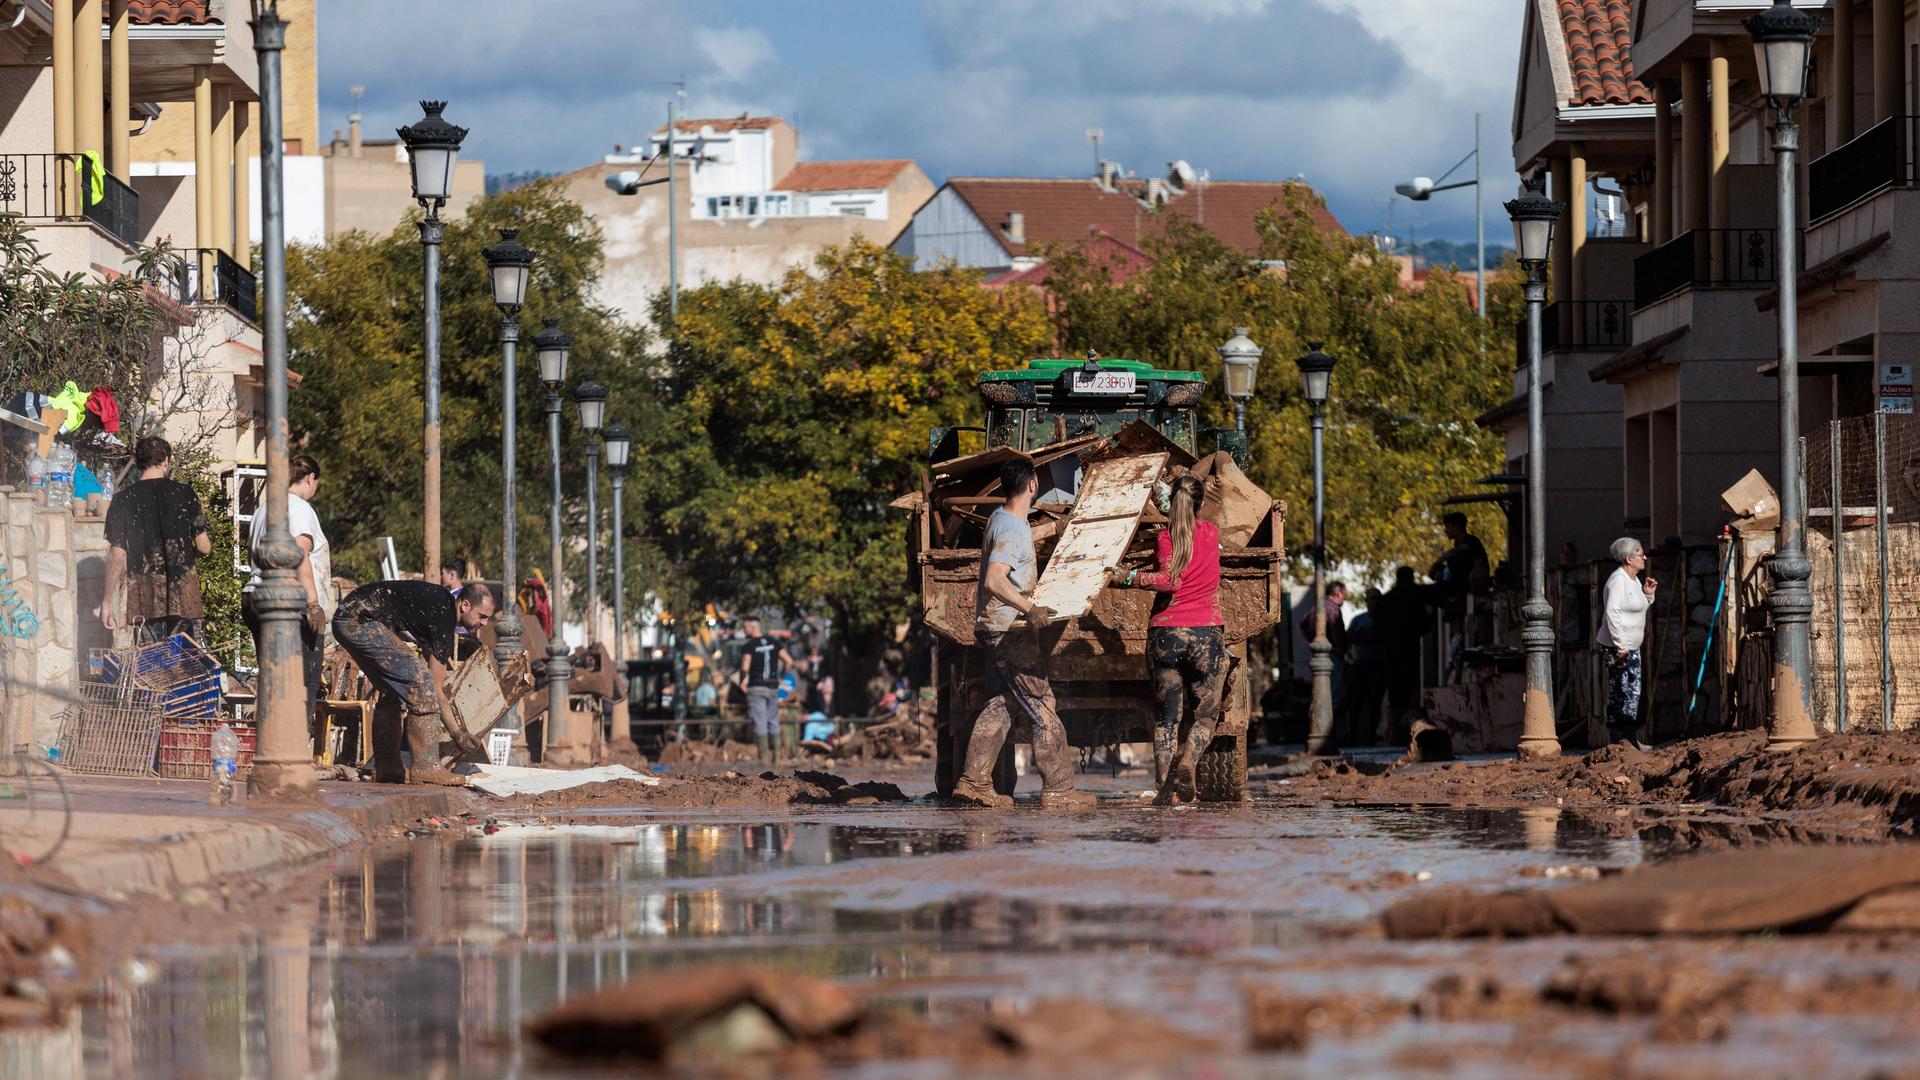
1103	382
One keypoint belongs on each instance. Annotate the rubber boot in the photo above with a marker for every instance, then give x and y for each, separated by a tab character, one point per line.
1067	800
423	735
762	752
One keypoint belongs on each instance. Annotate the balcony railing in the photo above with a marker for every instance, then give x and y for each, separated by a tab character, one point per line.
223	280
1579	324
1706	259
1879	158
52	187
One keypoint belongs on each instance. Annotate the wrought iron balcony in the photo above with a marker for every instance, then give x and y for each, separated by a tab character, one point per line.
1579	324
225	281
1707	259
1877	159
53	187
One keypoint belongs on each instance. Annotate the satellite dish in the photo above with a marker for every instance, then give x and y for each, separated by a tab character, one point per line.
1180	173
1418	189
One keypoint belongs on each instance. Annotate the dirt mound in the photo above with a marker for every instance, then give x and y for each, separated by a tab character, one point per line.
1867	782
702	753
41	954
804	788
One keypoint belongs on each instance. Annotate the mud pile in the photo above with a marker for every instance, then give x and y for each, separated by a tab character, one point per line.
730	789
702	753
41	954
1869	782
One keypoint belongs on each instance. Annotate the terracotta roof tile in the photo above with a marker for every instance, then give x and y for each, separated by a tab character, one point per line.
167	12
731	123
1059	211
1599	37
842	175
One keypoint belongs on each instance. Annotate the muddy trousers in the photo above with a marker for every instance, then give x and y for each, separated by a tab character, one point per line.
407	699
1189	663
1017	681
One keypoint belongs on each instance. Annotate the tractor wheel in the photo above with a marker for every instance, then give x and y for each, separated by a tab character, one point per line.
1221	776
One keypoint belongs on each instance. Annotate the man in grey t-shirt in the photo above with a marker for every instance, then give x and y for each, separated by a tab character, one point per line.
1016	673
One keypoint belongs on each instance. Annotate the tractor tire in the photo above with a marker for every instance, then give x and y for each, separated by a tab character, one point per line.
1221	776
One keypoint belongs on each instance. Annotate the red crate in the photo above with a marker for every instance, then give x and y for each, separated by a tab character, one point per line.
186	748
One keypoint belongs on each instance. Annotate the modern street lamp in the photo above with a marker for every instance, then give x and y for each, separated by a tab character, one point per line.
1316	373
1240	361
1420	189
591	397
617	442
283	767
433	146
551	347
509	266
1783	50
1534	215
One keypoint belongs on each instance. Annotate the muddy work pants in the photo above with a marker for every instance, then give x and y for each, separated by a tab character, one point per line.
1017	682
407	702
1189	663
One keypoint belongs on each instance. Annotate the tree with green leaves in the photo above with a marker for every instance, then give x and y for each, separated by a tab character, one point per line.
1412	375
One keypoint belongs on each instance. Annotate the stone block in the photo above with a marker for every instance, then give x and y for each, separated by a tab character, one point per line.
51	528
53	569
18	540
60	615
53	667
20	509
89	534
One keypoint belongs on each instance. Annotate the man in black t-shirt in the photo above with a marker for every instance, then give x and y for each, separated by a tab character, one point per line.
156	529
373	624
762	662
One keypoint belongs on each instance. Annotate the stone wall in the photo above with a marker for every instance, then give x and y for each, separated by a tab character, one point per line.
57	563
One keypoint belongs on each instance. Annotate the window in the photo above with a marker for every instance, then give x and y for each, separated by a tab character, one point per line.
753	205
776	205
713	207
853	211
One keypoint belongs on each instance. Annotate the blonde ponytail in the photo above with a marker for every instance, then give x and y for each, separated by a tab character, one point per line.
1187	493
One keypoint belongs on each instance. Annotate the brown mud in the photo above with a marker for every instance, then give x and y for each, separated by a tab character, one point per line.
1866	785
726	790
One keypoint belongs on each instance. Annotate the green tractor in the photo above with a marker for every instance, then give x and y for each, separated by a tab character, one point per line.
1053	412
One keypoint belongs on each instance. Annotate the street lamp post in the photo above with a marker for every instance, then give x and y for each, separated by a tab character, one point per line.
1420	189
552	347
1783	51
283	767
1316	372
1240	361
592	399
617	443
510	265
1534	215
433	145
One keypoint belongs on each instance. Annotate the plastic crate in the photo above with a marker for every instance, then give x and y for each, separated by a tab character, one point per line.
182	671
186	747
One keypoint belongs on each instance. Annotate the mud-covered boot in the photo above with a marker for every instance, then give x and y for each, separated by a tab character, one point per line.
423	735
1067	800
974	793
1180	782
762	749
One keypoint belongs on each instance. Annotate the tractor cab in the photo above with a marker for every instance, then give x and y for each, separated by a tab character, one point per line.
1054	400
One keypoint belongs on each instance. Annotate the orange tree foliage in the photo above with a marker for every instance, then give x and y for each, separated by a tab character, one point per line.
1412	372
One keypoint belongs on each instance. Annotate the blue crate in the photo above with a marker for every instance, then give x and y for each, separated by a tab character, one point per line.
183	672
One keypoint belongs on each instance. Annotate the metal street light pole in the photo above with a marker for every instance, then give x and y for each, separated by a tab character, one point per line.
283	766
1421	188
433	145
1783	52
592	400
510	264
1534	215
617	443
563	747
1316	369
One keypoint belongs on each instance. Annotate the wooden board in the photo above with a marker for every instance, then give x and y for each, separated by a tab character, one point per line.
1112	496
474	692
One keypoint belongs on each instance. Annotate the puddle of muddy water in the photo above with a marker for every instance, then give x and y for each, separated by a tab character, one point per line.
423	957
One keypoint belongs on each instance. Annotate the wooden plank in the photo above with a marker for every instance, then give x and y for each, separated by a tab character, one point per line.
1113	494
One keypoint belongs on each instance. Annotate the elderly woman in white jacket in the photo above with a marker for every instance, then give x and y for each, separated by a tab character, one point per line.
1623	629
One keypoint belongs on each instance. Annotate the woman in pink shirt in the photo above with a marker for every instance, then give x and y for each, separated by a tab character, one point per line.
1186	639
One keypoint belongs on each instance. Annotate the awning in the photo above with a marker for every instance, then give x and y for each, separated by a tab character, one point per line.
1631	360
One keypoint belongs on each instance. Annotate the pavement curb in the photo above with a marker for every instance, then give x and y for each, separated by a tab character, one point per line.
269	839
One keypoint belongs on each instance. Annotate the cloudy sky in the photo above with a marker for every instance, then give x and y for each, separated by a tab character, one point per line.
1351	94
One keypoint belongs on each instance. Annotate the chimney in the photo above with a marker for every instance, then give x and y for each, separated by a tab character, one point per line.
1015	227
1156	194
1109	173
353	133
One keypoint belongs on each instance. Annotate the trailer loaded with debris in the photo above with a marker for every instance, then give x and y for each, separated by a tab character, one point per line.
1101	435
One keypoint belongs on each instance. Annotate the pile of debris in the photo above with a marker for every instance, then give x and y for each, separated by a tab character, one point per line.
702	753
907	737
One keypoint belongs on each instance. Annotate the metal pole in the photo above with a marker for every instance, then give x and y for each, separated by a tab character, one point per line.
593	543
1839	580
1790	719
562	748
673	235
432	232
1320	734
1479	230
507	625
1539	734
1240	416
283	766
1880	512
620	593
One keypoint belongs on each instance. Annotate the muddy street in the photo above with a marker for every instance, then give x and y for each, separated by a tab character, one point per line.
1248	936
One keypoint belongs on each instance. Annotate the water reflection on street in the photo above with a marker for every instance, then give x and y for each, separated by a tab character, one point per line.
423	956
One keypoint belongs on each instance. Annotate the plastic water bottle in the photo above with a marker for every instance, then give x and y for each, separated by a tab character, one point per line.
226	762
37	477
59	477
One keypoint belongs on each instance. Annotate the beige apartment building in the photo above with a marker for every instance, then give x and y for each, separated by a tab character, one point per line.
745	208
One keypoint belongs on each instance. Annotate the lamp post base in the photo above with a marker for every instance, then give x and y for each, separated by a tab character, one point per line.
1532	749
1790	726
282	781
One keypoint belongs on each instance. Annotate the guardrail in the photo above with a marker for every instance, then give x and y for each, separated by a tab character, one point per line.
1879	158
53	187
210	275
1704	259
1579	324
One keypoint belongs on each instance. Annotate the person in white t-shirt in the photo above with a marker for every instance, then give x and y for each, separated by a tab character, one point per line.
1622	630
315	570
